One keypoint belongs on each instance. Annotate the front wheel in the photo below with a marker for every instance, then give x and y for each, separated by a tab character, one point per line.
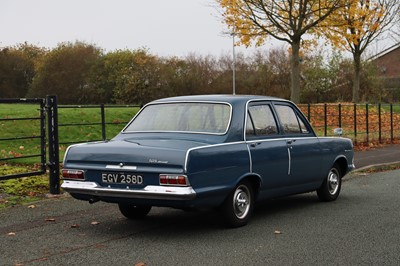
238	206
330	188
133	212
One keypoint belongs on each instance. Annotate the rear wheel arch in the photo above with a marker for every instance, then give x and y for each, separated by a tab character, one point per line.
342	164
255	181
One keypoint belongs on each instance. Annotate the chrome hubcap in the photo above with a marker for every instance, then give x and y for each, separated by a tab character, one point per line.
333	182
241	202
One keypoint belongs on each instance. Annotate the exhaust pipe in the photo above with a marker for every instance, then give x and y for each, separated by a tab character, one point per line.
93	200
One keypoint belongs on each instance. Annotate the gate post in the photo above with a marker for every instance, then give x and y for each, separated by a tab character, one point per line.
54	162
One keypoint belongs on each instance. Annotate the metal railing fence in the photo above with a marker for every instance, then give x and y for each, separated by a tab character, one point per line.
363	123
100	125
21	136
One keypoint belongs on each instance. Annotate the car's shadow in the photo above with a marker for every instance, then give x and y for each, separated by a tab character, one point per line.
167	220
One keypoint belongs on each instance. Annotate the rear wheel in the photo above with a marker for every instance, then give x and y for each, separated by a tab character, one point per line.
134	212
330	188
238	207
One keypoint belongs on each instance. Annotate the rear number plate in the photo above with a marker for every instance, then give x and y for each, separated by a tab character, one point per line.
121	178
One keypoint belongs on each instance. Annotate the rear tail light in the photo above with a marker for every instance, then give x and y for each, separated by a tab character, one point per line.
174	180
73	174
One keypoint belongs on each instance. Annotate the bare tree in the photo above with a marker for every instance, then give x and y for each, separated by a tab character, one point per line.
395	30
284	20
356	26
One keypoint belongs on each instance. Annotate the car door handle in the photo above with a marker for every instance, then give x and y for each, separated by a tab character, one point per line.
255	144
290	141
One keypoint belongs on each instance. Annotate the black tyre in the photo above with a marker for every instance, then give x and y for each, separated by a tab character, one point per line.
238	206
330	188
134	212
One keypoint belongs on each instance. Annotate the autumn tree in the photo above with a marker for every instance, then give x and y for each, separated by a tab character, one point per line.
284	20
64	72
201	73
356	25
32	52
174	77
17	69
128	76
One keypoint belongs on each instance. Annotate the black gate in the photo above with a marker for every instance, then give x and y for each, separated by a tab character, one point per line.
11	136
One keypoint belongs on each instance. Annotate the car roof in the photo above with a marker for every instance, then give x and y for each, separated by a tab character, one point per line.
232	99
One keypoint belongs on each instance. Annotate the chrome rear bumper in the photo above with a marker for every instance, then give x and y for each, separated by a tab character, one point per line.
148	192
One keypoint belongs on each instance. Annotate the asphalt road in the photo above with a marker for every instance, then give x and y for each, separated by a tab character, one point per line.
361	228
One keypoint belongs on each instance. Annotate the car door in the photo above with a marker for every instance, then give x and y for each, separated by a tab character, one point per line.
268	149
303	146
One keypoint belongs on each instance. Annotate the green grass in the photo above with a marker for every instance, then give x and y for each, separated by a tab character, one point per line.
386	108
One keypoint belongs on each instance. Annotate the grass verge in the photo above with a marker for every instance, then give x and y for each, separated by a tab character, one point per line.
379	168
21	190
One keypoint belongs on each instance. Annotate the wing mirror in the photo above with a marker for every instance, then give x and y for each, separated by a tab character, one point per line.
338	132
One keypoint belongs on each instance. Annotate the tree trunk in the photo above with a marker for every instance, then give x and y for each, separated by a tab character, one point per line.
356	77
295	72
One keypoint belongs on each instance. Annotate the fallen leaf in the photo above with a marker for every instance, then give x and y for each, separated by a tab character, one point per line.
31	206
75	226
11	234
95	223
140	264
50	220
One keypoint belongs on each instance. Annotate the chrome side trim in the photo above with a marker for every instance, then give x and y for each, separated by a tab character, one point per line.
290	161
283	138
250	158
333	137
148	192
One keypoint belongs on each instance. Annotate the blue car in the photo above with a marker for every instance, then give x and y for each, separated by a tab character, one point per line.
215	151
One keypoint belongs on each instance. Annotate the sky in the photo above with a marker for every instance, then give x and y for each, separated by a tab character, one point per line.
165	27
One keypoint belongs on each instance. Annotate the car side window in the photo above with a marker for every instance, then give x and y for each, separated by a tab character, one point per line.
260	121
290	121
